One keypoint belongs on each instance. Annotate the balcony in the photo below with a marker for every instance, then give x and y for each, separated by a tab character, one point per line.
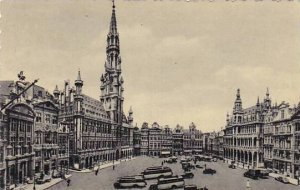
283	133
282	158
282	148
45	146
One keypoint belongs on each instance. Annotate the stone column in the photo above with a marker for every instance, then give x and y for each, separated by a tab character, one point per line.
252	159
248	158
8	177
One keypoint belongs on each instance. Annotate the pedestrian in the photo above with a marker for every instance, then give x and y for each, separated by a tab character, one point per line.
114	167
68	182
248	184
162	163
204	166
96	172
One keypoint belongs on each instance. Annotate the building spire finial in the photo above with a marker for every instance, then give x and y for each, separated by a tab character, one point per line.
78	76
113	21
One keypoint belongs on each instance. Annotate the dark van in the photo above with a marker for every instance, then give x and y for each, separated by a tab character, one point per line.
253	174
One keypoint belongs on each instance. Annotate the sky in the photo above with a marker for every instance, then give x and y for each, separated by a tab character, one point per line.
182	61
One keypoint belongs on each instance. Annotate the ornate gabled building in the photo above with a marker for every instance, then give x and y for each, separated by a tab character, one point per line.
177	136
296	143
17	133
243	138
192	140
167	141
136	141
283	139
46	137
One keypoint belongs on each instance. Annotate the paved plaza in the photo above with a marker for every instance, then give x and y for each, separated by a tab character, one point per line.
224	179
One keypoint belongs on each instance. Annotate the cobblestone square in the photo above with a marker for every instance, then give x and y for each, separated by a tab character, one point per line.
224	179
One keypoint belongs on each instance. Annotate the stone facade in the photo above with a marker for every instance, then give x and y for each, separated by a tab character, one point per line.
192	140
243	138
177	136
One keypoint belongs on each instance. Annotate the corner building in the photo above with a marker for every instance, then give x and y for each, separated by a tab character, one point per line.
243	134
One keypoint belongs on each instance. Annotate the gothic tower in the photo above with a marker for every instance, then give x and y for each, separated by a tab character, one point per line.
78	101
112	81
238	109
267	100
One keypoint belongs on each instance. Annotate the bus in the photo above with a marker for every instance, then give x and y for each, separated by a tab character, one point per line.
155	168
171	182
131	181
152	173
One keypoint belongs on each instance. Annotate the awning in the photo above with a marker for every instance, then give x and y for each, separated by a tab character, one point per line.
187	150
165	152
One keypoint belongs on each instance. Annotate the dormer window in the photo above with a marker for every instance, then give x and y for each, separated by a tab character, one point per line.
282	114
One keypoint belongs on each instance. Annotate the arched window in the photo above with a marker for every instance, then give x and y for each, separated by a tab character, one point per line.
111	59
116	61
117	40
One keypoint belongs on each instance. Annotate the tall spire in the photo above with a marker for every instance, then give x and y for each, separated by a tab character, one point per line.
78	76
113	21
78	81
238	96
112	82
267	93
238	103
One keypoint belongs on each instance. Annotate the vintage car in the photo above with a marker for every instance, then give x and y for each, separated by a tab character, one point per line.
282	179
187	175
209	171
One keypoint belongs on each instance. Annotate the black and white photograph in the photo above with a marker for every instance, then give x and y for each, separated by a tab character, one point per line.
149	94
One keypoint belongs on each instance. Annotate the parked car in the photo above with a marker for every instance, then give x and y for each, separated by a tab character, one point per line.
187	165
209	171
187	175
153	187
232	166
56	174
264	173
171	160
203	188
43	179
198	166
194	187
253	174
214	159
282	179
190	187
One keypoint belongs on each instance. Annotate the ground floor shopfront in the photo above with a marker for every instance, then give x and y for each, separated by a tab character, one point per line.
18	171
88	159
286	168
254	159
